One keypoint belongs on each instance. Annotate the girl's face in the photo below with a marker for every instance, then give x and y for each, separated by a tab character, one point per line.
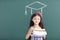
36	19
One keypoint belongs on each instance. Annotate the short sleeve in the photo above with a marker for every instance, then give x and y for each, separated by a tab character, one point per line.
45	32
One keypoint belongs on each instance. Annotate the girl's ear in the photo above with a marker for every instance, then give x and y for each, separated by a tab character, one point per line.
32	19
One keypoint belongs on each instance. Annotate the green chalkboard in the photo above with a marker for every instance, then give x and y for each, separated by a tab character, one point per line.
14	22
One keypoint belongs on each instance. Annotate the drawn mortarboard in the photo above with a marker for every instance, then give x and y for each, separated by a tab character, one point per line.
35	6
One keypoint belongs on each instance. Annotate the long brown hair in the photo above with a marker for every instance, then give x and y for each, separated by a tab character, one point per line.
33	15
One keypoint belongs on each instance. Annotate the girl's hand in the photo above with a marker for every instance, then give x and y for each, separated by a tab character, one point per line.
28	33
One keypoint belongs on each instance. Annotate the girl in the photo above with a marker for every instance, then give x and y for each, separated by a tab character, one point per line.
36	31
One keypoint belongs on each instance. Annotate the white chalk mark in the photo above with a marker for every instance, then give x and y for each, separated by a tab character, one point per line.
32	8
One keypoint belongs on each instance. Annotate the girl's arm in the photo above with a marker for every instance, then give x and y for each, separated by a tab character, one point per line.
28	33
44	37
45	34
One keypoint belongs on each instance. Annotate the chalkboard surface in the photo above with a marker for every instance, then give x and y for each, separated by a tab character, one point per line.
14	23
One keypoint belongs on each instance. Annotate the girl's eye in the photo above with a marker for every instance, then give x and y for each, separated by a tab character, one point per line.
34	18
38	19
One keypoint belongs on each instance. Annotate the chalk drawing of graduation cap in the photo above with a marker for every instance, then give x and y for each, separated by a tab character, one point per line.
35	6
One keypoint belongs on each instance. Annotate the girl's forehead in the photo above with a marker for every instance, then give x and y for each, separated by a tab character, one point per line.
37	16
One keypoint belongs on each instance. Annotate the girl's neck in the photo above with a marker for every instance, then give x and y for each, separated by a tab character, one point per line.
36	26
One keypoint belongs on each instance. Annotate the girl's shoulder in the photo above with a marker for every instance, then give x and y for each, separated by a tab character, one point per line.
31	27
43	29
